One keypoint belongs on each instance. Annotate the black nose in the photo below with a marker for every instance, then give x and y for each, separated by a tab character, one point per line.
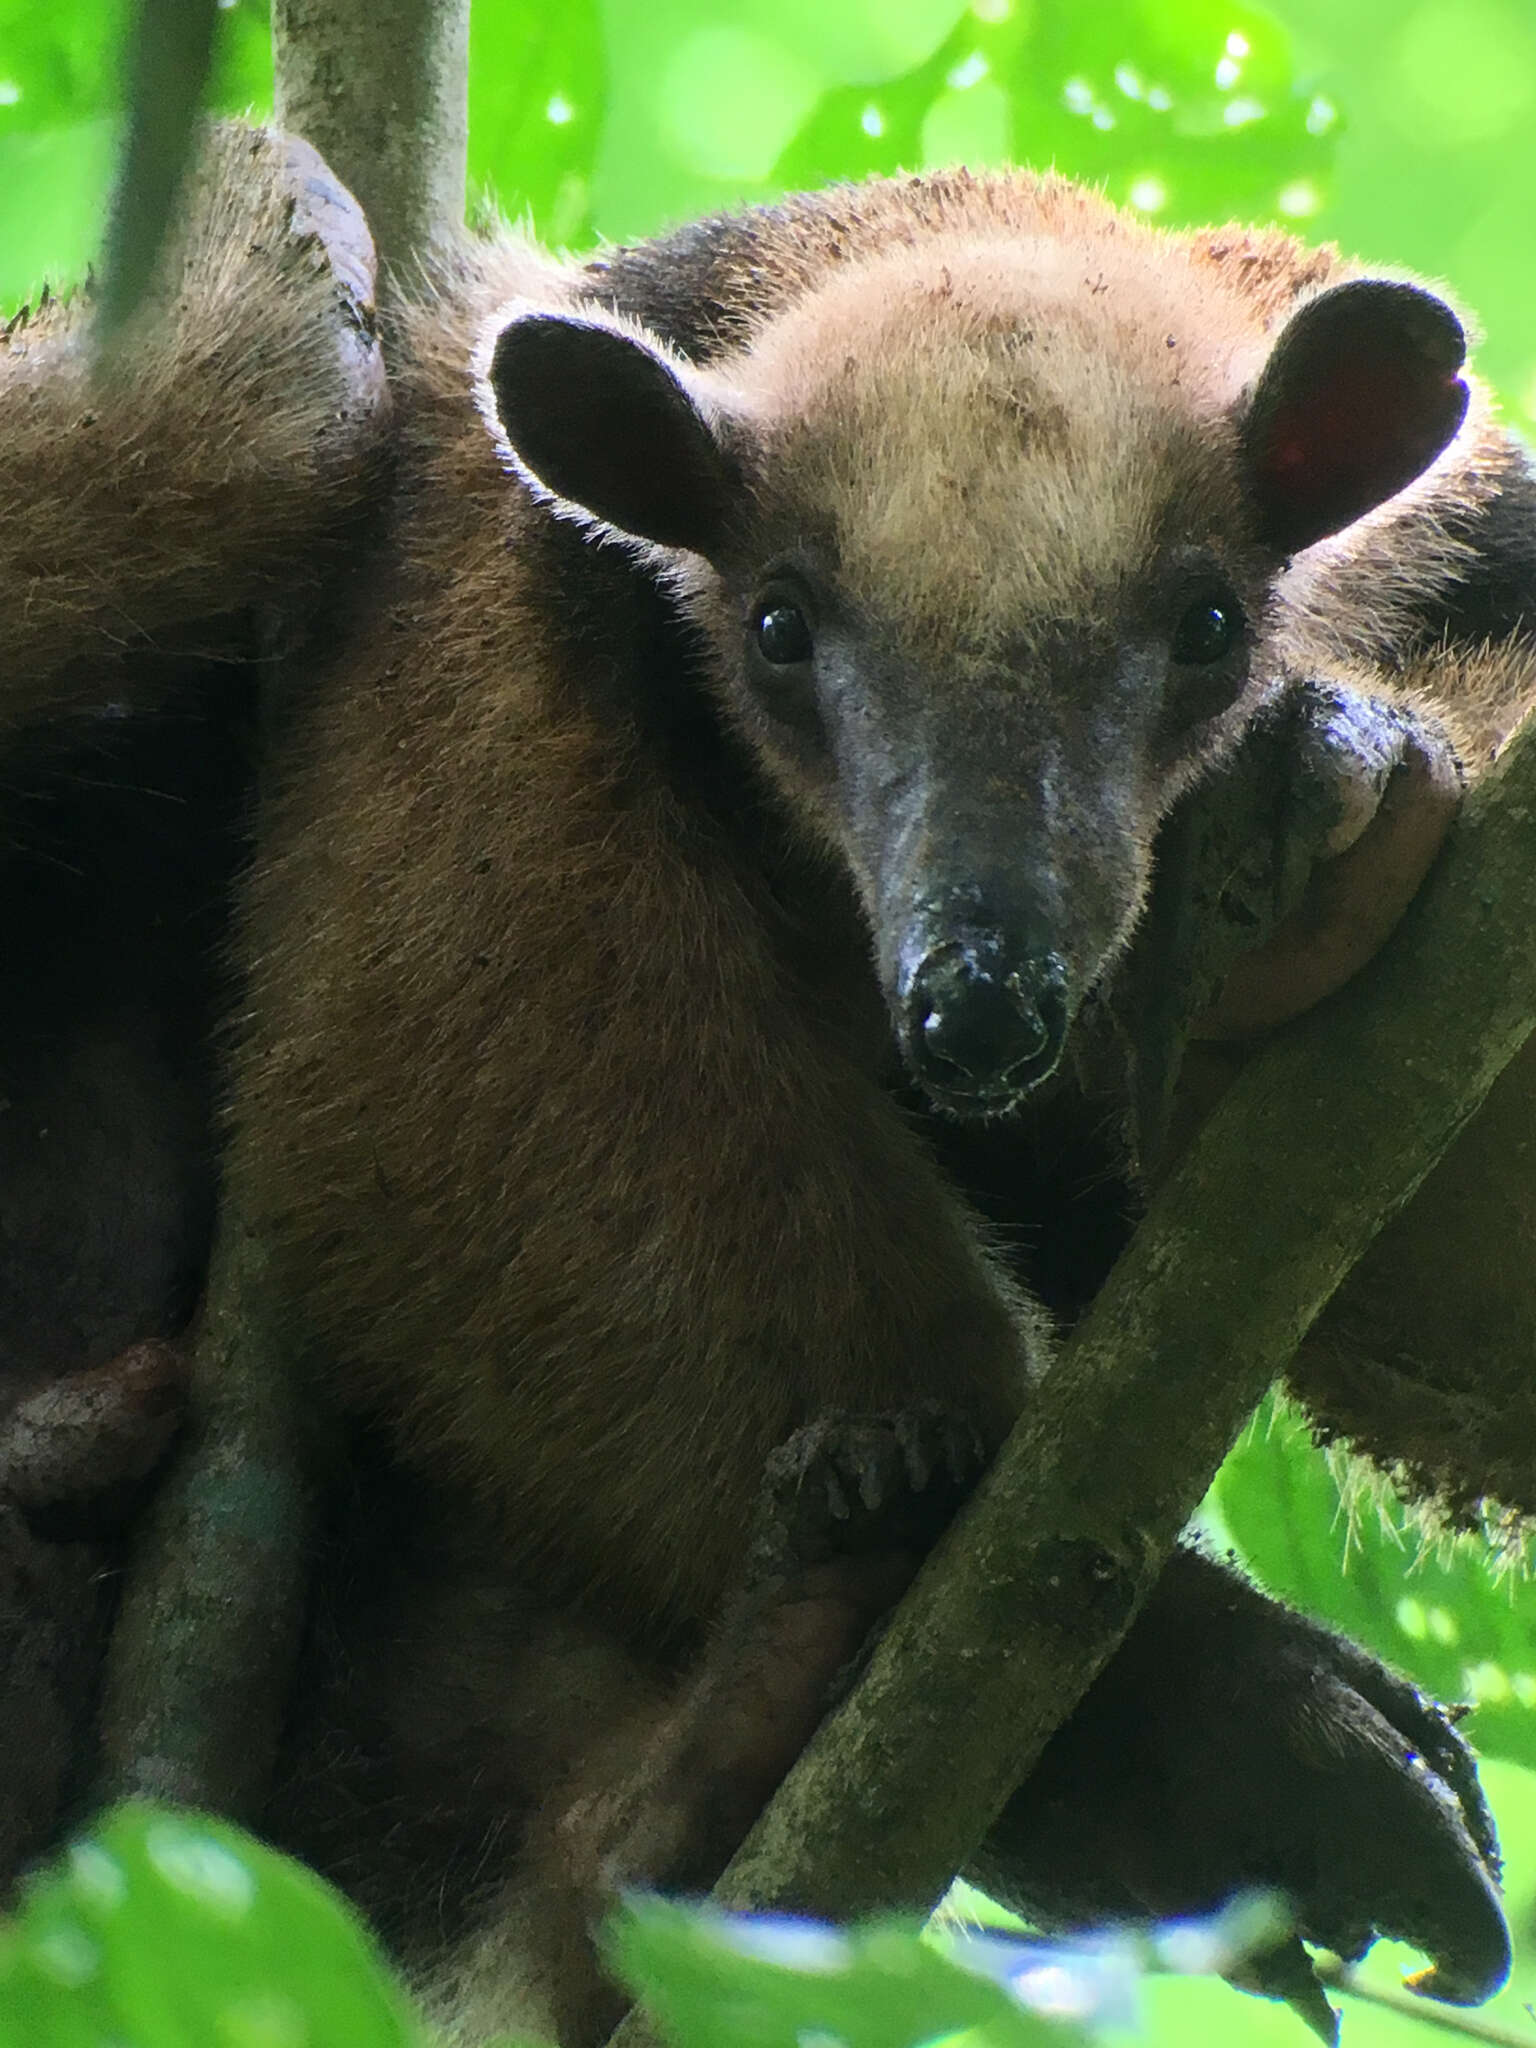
984	1028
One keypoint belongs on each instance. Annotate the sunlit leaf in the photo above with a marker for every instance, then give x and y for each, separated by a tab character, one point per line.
859	130
1187	113
242	65
59	64
61	102
1441	1612
709	1979
57	181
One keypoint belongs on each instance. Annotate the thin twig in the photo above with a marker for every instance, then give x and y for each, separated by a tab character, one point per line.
1341	1977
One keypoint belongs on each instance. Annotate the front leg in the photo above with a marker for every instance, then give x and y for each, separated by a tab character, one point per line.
1367	789
850	1507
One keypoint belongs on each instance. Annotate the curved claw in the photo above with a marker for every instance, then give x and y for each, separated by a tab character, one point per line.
1286	1972
849	1484
1405	1856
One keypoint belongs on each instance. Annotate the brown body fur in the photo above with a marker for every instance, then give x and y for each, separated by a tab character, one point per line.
568	1358
563	1090
163	550
562	1107
139	461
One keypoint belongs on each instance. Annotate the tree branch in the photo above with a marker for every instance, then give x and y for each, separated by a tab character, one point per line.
203	1650
169	53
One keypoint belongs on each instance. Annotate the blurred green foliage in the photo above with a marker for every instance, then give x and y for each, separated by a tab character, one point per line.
171	1930
777	1984
163	1929
1404	131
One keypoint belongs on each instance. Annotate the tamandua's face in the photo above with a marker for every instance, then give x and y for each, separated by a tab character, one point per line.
987	582
994	602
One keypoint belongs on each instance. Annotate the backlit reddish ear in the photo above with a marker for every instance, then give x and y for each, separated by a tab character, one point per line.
1360	395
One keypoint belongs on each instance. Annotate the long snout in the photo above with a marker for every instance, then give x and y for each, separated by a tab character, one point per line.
993	921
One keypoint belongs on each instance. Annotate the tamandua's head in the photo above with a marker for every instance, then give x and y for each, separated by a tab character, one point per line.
984	548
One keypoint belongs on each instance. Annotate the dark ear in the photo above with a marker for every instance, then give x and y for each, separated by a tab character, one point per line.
1360	395
603	421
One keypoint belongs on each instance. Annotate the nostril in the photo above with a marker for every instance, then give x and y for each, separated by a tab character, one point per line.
1042	991
970	1020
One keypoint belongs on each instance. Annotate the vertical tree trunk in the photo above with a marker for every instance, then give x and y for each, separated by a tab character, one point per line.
381	88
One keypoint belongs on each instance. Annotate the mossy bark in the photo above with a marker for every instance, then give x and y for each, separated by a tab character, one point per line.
203	1650
381	89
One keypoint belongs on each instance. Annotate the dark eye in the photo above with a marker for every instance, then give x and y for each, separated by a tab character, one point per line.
783	637
1209	629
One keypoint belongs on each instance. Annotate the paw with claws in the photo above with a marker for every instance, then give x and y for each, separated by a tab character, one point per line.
1233	1744
856	1486
1340	802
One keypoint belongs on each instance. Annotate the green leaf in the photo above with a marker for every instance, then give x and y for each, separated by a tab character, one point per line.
1190	113
56	182
1444	1611
709	1979
856	131
173	1930
58	63
242	62
61	99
